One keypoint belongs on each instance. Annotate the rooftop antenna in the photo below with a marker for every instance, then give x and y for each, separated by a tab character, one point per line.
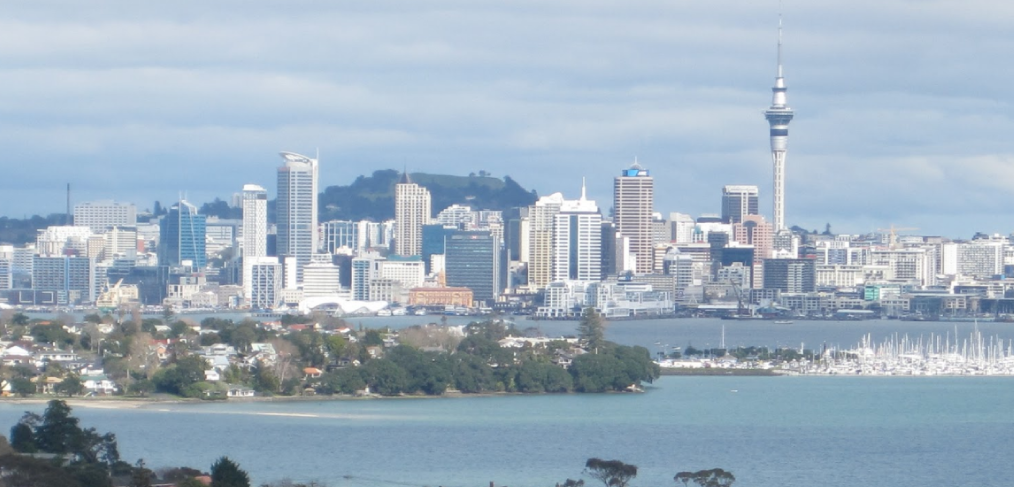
583	191
70	216
779	43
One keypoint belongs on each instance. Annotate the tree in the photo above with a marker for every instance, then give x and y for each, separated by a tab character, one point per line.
612	473
141	476
22	386
22	471
56	431
592	329
226	473
385	377
715	477
70	386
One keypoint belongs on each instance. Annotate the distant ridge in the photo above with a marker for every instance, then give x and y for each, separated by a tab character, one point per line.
372	197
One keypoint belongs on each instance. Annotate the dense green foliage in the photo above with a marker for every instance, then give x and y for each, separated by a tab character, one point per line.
225	473
479	364
612	473
715	477
372	197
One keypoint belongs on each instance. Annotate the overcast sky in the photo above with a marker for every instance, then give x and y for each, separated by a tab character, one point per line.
903	108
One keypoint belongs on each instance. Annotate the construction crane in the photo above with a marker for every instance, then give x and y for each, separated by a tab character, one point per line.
893	242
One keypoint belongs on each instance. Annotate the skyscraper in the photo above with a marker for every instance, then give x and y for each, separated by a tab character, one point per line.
255	221
473	261
779	115
739	201
412	210
633	203
182	237
296	209
577	241
254	202
541	218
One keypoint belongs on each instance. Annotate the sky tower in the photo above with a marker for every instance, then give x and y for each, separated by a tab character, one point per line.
779	116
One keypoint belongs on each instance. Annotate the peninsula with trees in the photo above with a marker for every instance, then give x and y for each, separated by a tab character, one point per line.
314	355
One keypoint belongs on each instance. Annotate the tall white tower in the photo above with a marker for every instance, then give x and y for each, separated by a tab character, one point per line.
412	209
255	221
779	115
577	240
296	209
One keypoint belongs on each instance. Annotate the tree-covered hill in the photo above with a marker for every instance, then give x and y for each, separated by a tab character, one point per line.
372	196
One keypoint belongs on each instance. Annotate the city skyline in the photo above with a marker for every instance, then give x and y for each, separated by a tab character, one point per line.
904	112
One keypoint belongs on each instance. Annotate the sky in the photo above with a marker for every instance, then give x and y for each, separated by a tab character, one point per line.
903	108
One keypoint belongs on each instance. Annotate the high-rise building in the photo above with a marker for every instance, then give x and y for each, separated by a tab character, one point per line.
790	275
296	209
778	116
577	241
739	201
412	210
264	283
71	278
633	202
182	237
541	218
255	221
98	215
254	202
473	261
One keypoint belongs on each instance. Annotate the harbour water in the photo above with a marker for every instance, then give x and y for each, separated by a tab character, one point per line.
769	431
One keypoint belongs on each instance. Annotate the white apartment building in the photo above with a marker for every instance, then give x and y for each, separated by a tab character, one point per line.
577	241
412	210
98	215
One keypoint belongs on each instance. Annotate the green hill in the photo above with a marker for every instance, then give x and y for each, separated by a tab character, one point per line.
372	197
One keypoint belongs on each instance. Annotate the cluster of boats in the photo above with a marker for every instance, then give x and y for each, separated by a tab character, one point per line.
903	356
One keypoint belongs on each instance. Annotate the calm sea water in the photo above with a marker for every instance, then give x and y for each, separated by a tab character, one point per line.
769	431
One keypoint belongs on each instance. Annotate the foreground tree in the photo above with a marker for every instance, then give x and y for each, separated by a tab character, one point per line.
612	473
715	477
592	329
226	473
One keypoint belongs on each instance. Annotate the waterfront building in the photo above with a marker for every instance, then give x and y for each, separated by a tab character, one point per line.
99	215
296	209
577	240
412	210
406	272
365	269
321	279
633	206
739	201
778	116
182	237
790	275
473	260
982	258
440	296
70	278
